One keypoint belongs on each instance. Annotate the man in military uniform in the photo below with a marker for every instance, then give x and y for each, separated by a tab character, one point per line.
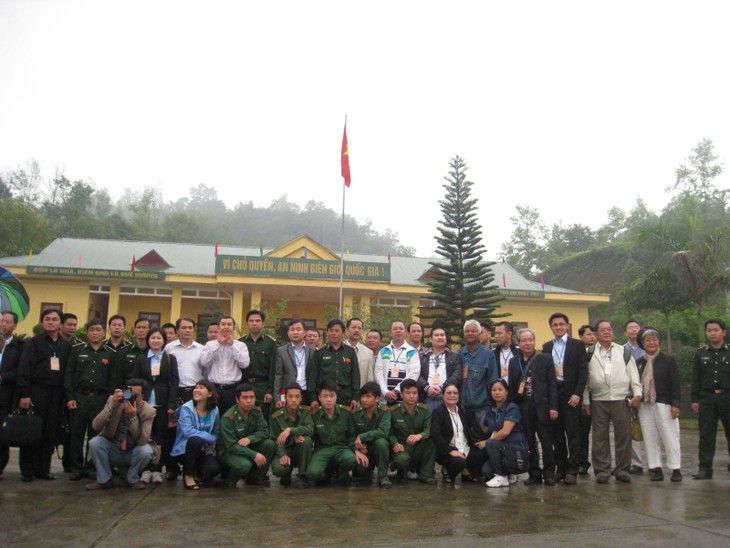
292	428
711	393
334	439
69	326
244	446
372	424
262	351
117	325
127	357
410	435
90	378
338	363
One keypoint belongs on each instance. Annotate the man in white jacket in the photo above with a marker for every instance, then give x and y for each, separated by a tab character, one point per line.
395	363
613	388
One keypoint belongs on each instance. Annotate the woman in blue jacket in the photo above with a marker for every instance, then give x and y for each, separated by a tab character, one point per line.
197	431
503	423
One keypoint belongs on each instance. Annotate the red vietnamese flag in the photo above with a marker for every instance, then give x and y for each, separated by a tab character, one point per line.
345	158
134	262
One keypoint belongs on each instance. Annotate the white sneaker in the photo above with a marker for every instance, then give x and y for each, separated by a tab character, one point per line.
412	475
512	479
157	477
146	476
498	481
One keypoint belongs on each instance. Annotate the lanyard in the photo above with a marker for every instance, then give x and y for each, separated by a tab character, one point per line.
505	357
299	356
524	370
397	358
559	357
455	422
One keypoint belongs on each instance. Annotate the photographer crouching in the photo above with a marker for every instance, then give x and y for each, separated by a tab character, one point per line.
124	427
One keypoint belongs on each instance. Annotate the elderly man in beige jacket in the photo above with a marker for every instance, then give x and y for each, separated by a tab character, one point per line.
613	388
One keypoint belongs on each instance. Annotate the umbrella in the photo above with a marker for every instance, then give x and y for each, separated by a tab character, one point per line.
13	296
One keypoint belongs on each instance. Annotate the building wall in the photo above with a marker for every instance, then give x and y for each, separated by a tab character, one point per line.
535	314
74	295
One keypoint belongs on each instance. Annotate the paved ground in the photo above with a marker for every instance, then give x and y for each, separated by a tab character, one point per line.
61	512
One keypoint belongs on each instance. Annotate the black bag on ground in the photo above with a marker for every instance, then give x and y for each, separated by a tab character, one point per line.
22	429
515	459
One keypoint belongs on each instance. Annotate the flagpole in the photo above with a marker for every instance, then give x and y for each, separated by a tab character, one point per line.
342	242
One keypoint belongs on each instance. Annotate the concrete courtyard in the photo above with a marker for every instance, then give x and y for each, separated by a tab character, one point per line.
62	513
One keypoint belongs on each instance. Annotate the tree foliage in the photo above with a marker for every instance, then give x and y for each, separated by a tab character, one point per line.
61	207
462	282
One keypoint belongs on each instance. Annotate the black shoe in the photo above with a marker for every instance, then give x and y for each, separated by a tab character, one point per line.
259	483
26	478
656	474
445	476
559	476
702	475
636	470
623	477
550	481
534	480
46	476
79	475
172	475
346	482
285	479
583	468
676	476
468	479
601	478
303	483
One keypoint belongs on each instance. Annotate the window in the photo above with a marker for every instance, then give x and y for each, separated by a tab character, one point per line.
153	317
46	306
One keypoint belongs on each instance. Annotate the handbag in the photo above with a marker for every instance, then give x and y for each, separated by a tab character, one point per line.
636	433
23	429
515	459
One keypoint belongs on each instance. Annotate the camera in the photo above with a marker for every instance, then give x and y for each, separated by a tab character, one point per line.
129	396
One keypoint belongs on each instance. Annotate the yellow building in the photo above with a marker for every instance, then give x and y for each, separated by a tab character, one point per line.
163	281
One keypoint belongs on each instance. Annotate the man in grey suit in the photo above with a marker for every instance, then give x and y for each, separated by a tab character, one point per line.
365	359
293	363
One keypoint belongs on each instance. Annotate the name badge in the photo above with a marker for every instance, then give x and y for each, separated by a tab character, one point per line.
465	373
436	379
155	370
505	370
394	372
521	388
559	370
55	364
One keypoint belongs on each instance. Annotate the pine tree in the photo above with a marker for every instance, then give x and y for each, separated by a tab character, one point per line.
462	283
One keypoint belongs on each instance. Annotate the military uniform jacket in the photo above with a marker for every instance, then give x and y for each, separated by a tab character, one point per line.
373	428
234	426
303	425
711	371
122	344
261	369
127	361
338	365
405	424
339	431
90	371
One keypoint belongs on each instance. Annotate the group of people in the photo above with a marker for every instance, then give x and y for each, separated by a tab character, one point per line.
345	411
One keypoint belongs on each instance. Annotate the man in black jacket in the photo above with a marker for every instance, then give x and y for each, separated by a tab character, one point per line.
571	368
40	386
505	349
9	362
532	386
